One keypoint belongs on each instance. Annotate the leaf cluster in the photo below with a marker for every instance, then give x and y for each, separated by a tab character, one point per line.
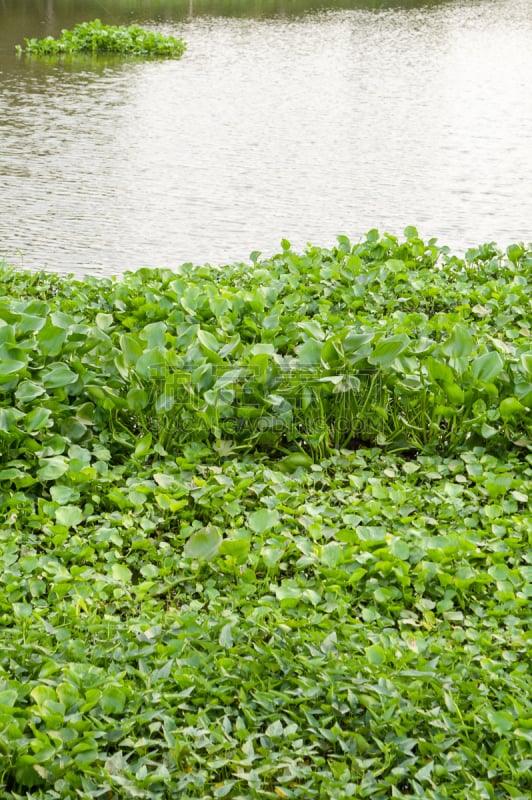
94	37
194	607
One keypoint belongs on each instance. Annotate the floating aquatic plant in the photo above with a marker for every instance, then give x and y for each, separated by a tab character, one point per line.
202	595
96	38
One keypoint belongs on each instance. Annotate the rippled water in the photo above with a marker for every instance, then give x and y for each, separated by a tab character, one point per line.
301	126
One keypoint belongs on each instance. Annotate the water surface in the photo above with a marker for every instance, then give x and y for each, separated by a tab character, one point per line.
283	119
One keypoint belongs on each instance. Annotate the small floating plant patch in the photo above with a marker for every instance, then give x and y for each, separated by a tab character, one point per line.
94	37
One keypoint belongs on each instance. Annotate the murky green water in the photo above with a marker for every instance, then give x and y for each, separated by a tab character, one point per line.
284	119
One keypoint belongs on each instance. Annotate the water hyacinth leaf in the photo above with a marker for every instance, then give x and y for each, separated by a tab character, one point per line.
271	555
63	494
511	408
455	394
131	349
488	431
388	349
29	323
526	363
154	335
10	367
263	520
309	353
500	721
208	341
58	376
36	419
236	548
104	321
331	554
487	367
439	371
357	345
357	593
69	516
52	468
143	446
288	593
51	339
226	636
85	413
9	418
73	429
203	545
164	402
515	252
460	343
28	391
11	474
331	353
8	698
137	399
313	329
94	38
151	365
121	573
113	700
375	654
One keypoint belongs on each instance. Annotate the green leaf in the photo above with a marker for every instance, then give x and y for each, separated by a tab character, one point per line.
309	352
486	367
208	341
8	698
28	391
526	363
58	376
131	349
113	700
460	343
143	446
226	636
263	520
511	408
439	371
313	329
500	721
121	573
152	365
69	516
203	545
10	366
52	468
375	654
104	321
388	349
36	419
154	335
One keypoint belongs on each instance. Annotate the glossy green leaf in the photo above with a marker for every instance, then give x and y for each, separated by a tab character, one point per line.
264	519
69	516
487	366
460	342
58	376
388	349
203	545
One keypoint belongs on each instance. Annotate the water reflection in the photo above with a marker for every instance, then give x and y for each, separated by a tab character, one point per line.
297	126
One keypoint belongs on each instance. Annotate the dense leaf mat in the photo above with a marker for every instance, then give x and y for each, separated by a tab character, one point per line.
94	38
203	593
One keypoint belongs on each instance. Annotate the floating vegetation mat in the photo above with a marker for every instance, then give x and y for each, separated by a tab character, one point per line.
265	530
94	38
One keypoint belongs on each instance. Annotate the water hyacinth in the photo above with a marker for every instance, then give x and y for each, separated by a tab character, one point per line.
95	38
265	531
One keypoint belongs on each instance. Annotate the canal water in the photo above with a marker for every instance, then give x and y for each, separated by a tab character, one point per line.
301	120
